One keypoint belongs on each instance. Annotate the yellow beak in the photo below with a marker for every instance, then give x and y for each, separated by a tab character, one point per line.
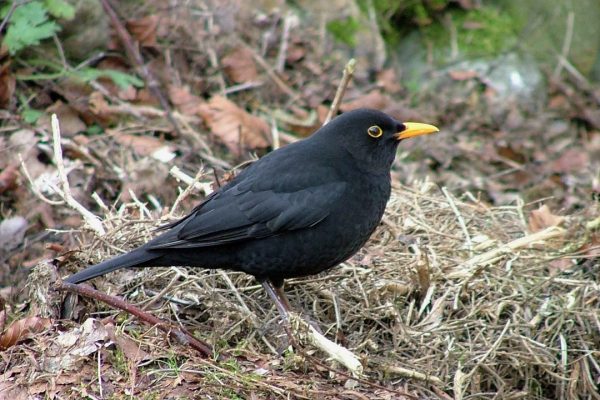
415	129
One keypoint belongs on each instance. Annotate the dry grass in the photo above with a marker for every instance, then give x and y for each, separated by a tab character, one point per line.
449	298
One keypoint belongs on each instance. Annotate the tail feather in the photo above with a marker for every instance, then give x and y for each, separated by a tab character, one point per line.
136	258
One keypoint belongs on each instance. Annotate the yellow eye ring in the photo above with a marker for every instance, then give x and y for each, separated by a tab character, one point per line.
375	131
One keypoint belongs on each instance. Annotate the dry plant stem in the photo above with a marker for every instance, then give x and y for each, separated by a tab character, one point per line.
93	221
181	334
287	23
341	90
461	221
272	74
412	374
136	59
566	46
183	195
468	268
34	188
178	174
335	352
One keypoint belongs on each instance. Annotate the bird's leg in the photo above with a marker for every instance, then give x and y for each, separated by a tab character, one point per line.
276	294
283	305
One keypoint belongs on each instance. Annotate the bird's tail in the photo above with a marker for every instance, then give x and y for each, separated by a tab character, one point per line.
135	258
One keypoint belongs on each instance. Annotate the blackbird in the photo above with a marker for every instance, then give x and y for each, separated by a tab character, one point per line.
297	211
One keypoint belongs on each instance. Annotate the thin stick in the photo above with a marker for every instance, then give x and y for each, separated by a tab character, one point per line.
287	24
341	90
469	267
187	191
566	45
178	332
461	221
94	222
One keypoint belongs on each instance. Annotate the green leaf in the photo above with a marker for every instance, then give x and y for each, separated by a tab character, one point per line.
31	116
60	9
28	25
121	79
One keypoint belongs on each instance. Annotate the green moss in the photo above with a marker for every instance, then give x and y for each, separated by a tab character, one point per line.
493	32
344	30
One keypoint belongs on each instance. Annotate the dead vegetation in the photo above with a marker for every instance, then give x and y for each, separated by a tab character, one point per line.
465	291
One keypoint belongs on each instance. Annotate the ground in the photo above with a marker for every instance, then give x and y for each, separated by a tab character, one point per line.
482	280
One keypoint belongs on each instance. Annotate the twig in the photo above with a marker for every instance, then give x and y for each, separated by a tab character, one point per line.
285	36
10	12
410	373
179	333
333	350
469	267
461	221
566	47
273	75
188	189
94	222
341	90
34	187
136	59
203	187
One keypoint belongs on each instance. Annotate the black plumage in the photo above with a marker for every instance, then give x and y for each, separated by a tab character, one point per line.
297	211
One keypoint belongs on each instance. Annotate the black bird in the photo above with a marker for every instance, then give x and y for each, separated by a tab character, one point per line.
297	211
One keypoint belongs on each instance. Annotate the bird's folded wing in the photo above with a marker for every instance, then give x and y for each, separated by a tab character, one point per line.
243	212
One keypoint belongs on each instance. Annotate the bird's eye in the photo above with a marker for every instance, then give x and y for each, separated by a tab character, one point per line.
375	131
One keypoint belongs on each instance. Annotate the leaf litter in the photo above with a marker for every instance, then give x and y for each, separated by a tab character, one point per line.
483	294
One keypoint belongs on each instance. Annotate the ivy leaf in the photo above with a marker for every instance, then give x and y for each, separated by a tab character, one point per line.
29	25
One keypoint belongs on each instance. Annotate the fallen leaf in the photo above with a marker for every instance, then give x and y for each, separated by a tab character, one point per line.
7	85
462	75
239	65
12	232
542	218
130	348
559	265
144	30
236	128
144	145
22	329
70	123
570	161
183	100
388	80
374	99
592	116
8	178
73	345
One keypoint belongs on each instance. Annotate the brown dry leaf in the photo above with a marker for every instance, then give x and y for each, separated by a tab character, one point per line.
462	75
8	178
571	160
236	128
141	145
23	329
70	123
144	30
542	218
592	116
559	265
374	99
239	65
130	348
388	80
183	100
7	85
98	105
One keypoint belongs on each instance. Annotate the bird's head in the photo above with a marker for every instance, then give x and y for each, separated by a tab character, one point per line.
371	136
